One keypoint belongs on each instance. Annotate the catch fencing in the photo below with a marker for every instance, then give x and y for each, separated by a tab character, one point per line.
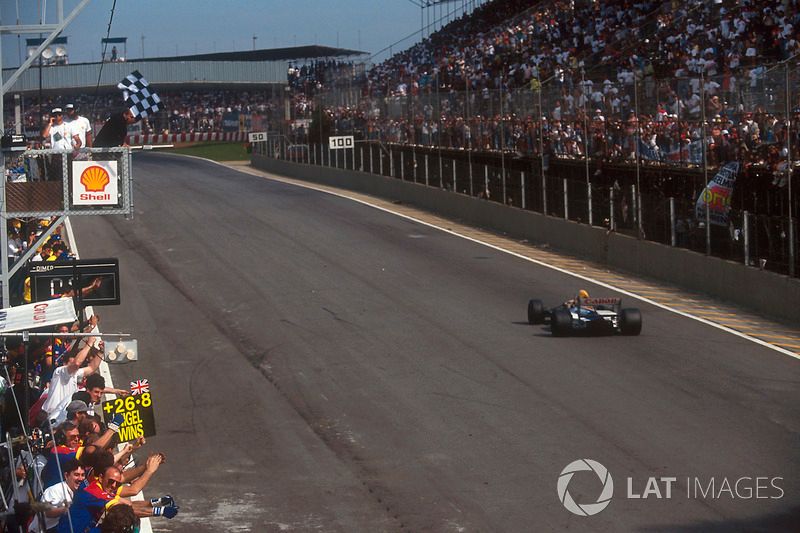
604	200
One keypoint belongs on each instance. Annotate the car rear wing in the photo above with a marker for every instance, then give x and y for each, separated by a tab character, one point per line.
614	303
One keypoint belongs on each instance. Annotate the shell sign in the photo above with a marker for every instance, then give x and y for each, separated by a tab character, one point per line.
95	183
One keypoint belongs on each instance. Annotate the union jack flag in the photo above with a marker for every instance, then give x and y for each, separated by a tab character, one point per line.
140	386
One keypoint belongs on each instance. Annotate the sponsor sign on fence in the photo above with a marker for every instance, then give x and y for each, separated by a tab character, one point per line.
30	316
717	195
95	183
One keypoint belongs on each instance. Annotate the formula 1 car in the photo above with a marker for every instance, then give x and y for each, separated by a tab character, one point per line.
589	316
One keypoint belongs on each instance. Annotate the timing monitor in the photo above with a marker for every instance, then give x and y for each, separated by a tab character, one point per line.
97	281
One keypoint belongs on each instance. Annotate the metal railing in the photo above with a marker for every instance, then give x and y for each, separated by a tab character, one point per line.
757	239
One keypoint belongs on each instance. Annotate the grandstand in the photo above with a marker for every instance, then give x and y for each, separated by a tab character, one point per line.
197	89
611	89
602	92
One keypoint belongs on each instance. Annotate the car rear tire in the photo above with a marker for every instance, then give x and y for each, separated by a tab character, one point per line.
630	322
535	312
561	322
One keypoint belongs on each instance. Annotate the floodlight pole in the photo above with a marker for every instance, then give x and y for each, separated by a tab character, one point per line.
5	86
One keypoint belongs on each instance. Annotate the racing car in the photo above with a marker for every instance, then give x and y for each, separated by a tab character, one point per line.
590	316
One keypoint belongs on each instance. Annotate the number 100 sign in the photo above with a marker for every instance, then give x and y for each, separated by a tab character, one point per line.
341	141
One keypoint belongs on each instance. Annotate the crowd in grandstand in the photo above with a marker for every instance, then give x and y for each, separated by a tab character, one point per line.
185	111
554	40
458	88
461	87
584	56
314	76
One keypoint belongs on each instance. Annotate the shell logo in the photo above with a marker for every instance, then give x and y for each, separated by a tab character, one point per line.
95	179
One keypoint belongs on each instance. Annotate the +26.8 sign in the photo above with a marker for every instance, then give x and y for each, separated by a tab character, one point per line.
137	412
341	141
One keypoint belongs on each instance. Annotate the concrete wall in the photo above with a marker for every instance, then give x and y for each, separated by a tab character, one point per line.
764	292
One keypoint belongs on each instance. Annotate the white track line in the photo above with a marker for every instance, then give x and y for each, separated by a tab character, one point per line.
536	261
144	523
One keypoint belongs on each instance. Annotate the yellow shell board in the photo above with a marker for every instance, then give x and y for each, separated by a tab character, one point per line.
95	183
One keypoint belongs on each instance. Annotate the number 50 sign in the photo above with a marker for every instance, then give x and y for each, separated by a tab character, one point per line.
341	141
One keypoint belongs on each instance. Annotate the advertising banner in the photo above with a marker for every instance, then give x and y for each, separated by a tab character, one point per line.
95	183
230	121
37	315
717	195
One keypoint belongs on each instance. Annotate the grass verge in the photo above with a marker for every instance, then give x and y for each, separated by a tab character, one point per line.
217	151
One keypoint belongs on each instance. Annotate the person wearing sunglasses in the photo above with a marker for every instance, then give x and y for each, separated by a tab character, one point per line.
92	502
89	503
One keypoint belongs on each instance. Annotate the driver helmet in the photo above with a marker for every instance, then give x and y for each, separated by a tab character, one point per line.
583	294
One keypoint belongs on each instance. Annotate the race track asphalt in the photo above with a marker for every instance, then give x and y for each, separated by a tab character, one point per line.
319	365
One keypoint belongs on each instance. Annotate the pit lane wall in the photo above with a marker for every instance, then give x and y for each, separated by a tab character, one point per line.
765	292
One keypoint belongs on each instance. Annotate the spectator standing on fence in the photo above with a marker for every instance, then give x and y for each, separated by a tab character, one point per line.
68	447
77	411
60	495
60	136
58	132
96	387
89	503
81	127
104	492
66	377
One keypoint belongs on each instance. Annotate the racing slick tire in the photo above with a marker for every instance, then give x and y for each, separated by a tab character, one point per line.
630	322
560	322
535	312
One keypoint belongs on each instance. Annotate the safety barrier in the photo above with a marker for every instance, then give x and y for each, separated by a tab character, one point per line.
135	140
768	293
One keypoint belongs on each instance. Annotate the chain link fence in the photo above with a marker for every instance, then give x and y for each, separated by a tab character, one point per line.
636	155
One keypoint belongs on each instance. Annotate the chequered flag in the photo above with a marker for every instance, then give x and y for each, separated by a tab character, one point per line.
133	82
139	97
141	106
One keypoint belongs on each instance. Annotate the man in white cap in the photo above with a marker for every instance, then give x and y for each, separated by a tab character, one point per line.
59	132
61	138
80	126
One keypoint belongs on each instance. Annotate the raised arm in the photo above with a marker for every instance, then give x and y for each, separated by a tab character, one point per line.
76	362
152	464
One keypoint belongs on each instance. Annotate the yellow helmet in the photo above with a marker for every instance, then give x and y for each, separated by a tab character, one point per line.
583	293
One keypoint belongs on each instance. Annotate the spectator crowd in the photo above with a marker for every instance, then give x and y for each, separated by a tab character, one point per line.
616	79
612	80
69	473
